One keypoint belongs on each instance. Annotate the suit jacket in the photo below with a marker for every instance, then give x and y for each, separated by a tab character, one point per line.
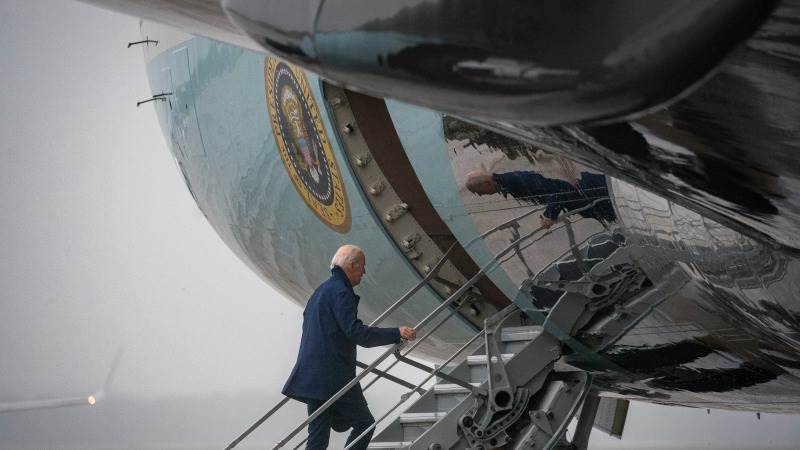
326	360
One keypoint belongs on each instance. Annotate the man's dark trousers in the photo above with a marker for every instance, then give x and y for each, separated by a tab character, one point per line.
341	416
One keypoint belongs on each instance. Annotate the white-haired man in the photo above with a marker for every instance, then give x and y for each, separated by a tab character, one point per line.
326	361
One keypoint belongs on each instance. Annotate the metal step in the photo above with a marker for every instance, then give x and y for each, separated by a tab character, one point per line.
389	445
414	424
430	417
516	338
446	396
481	359
527	333
446	388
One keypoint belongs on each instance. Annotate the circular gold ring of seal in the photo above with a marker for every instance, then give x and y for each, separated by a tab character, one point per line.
304	145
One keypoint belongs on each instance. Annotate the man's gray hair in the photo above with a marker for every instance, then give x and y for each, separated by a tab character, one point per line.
346	256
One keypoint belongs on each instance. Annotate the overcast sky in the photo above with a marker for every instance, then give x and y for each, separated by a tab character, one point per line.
102	247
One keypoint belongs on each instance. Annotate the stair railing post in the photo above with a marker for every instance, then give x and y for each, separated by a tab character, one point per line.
447	377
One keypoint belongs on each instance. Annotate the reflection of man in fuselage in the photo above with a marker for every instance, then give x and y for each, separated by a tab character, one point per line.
557	195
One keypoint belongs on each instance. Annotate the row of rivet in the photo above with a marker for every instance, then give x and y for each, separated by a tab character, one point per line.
396	211
375	189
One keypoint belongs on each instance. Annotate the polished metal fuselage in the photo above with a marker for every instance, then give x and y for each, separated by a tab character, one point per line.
704	190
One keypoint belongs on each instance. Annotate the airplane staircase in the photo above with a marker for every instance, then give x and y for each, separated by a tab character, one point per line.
508	392
514	399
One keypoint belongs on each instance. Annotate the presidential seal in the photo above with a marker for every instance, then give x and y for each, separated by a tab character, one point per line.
303	144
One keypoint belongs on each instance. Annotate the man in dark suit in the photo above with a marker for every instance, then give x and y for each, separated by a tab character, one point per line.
558	195
326	361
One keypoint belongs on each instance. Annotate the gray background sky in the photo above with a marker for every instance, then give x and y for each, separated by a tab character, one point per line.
103	247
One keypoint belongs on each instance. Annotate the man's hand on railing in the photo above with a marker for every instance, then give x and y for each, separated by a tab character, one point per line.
546	222
408	333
